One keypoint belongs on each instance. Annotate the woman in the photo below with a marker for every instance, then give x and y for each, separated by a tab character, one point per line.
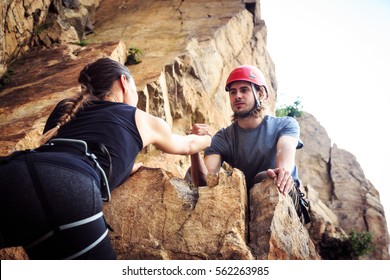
51	197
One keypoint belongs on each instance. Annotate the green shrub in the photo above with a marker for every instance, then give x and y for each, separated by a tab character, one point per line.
133	56
294	110
360	242
349	247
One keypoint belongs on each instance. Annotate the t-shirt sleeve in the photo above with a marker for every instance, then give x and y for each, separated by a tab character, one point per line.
219	145
216	146
290	127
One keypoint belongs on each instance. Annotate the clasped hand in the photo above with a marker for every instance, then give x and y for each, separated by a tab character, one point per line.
200	129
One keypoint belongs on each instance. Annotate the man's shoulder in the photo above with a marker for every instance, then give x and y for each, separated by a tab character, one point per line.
225	129
225	133
274	119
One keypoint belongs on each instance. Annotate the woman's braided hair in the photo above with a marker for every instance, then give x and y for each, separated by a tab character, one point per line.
96	80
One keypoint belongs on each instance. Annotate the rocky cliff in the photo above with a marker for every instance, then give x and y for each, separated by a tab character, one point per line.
188	49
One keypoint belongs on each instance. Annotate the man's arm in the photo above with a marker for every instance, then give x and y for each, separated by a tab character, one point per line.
200	168
285	162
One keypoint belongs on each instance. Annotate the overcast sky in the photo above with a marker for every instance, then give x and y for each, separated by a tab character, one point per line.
335	56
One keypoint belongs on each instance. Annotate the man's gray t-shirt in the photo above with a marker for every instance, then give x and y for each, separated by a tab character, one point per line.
254	150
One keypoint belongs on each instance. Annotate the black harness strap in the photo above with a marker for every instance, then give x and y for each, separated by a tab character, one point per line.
84	148
40	193
3	244
6	159
235	146
100	148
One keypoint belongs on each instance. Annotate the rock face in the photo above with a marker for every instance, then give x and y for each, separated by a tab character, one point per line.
28	24
158	216
339	193
188	49
20	21
276	232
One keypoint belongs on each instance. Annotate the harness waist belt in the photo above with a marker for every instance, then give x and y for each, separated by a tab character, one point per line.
80	147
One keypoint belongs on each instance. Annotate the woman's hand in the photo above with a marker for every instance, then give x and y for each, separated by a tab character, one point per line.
136	166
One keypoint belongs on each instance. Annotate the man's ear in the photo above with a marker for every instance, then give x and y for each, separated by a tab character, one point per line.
263	95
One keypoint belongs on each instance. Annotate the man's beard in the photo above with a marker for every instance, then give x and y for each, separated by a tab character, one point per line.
255	111
244	115
241	115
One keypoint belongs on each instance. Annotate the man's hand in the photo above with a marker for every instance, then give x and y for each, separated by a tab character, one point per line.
282	178
199	170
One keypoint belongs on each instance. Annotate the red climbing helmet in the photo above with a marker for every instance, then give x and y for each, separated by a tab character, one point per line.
246	73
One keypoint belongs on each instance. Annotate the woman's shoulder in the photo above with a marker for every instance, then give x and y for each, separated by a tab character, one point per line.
110	106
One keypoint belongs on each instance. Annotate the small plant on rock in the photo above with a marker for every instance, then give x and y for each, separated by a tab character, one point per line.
42	27
82	43
133	56
6	78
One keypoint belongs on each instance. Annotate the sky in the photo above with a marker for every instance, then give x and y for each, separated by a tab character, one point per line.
334	56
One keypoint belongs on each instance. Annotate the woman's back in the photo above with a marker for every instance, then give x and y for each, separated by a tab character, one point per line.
111	124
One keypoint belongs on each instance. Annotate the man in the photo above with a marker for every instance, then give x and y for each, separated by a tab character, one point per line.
258	144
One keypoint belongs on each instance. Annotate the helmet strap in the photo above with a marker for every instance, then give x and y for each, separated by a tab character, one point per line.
257	100
257	105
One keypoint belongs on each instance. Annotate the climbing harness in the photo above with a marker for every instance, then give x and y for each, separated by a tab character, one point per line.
300	204
71	240
75	143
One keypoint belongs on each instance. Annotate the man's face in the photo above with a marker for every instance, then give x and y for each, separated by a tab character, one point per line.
241	98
